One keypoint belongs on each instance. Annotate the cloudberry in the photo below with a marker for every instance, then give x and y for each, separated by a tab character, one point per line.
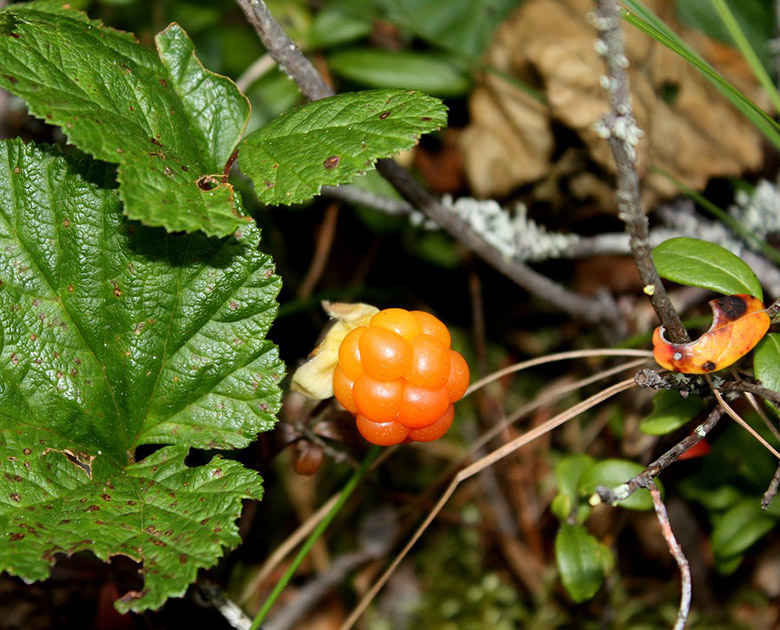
400	377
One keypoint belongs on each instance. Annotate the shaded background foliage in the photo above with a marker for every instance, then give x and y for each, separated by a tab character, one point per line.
466	572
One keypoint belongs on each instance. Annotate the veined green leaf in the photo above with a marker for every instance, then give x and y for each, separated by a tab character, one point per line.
330	141
116	335
170	124
698	263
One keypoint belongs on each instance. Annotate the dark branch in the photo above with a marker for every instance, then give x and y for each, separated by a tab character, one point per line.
622	133
299	68
645	478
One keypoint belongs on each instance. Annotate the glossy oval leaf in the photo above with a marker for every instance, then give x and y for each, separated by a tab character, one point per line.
740	527
581	561
400	69
330	141
168	123
612	473
116	335
670	412
698	263
766	362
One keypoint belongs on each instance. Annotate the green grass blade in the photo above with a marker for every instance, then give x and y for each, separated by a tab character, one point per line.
741	41
642	18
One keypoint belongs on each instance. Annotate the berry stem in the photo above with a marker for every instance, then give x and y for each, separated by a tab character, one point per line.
315	535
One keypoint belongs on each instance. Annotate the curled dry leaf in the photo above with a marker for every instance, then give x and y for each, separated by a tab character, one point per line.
314	379
691	131
739	323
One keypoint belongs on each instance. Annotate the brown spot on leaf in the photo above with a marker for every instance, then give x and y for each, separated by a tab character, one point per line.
384	115
92	508
331	162
15	496
27	451
163	82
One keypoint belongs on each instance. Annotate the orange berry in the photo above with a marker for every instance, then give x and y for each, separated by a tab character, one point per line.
434	431
342	390
381	433
385	355
433	326
421	406
430	366
458	381
398	320
349	353
377	400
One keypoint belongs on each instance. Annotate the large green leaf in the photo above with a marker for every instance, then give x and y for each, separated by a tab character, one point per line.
703	264
170	124
582	561
766	361
329	141
116	335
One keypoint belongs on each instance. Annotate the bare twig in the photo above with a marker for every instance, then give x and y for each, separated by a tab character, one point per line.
677	554
289	57
622	133
771	491
292	61
612	496
752	388
321	250
741	422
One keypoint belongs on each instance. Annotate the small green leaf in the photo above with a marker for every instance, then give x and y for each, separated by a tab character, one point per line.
766	361
401	69
170	124
567	473
115	336
740	527
581	561
670	412
329	141
698	263
612	473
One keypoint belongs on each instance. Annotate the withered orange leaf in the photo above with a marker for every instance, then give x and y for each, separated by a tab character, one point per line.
739	322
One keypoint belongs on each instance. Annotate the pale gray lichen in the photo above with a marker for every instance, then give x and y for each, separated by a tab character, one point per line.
759	213
512	233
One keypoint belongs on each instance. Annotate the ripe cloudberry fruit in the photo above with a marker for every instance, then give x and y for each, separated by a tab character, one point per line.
400	377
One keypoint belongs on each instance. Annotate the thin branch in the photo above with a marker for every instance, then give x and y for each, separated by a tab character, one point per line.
771	491
591	310
677	554
611	496
293	62
622	133
321	251
741	422
289	57
752	388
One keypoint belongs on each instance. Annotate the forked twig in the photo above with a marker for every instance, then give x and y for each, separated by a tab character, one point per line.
740	421
611	496
472	470
677	554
